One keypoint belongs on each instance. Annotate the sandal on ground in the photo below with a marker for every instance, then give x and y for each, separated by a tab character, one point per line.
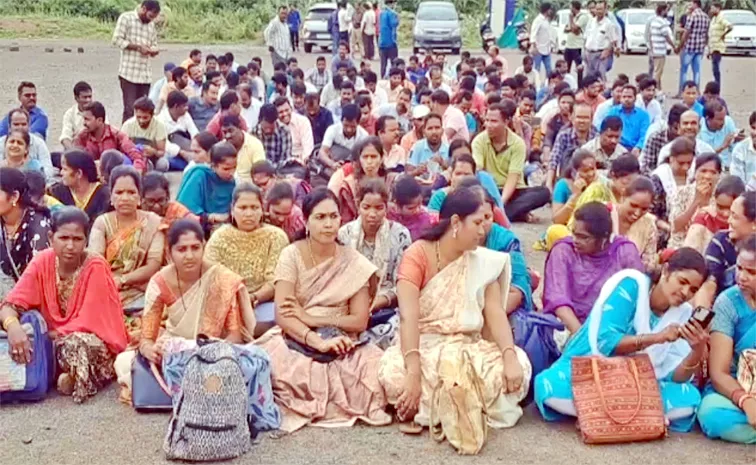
410	427
65	384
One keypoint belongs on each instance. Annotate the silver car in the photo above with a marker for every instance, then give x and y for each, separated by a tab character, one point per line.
742	39
437	27
315	31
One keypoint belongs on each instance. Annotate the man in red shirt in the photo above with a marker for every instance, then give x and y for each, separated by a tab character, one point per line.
99	137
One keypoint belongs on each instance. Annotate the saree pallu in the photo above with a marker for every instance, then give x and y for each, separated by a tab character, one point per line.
210	307
128	249
338	393
348	193
705	224
718	416
451	323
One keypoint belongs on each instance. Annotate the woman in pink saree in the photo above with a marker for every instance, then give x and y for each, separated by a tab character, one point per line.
323	294
452	302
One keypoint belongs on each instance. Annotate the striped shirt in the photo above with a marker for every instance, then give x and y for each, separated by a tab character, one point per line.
130	30
657	32
277	36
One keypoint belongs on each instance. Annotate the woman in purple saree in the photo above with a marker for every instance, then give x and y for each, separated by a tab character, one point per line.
579	265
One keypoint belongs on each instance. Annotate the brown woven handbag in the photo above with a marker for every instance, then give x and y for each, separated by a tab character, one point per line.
617	399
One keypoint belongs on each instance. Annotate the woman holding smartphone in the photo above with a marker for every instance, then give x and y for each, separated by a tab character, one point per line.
728	409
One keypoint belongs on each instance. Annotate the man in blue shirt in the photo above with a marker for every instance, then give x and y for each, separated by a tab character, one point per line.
635	121
387	46
27	95
294	20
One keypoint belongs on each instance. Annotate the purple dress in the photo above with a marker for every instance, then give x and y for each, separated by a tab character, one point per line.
575	280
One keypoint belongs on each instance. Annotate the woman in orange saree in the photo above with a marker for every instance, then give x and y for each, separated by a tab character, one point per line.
367	160
191	296
452	303
129	239
75	293
323	293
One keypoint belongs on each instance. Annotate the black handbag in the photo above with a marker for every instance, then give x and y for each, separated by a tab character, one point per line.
149	392
329	332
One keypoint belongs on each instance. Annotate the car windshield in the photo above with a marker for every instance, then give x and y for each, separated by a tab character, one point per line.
437	13
741	18
319	15
639	17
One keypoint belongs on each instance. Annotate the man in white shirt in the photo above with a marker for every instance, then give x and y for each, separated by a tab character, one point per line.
601	39
541	38
180	129
340	139
345	19
300	129
647	100
658	36
454	122
378	95
73	119
250	111
278	38
437	80
368	31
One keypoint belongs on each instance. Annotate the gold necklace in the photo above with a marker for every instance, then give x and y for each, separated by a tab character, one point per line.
312	256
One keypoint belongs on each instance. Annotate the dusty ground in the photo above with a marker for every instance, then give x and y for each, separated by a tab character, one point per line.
103	431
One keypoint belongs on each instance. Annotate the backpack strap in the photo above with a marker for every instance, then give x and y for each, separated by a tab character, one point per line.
159	378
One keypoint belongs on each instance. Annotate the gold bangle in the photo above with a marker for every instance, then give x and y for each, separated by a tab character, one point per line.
307	333
744	398
692	367
411	351
638	343
504	351
8	321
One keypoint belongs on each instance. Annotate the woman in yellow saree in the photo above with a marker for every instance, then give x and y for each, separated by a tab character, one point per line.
130	239
452	302
323	293
191	296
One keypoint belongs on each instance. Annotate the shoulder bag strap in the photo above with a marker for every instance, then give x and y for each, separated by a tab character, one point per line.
597	380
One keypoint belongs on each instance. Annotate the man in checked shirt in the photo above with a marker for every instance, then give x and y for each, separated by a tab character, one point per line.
136	36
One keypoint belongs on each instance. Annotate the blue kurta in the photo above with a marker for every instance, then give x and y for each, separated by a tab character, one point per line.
616	322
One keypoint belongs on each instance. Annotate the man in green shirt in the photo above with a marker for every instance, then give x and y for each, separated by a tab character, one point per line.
501	152
573	47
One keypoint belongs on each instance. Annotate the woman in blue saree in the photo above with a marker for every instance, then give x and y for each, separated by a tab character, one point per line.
728	411
207	190
634	314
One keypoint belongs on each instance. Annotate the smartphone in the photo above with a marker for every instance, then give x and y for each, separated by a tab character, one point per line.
703	316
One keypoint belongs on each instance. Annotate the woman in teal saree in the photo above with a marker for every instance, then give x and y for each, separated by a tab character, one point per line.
728	409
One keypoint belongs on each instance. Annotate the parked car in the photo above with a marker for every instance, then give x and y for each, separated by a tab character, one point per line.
315	29
742	39
437	27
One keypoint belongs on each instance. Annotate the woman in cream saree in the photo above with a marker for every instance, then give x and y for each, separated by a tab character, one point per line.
451	304
323	296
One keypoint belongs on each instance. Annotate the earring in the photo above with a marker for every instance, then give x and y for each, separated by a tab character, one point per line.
454	233
307	232
13	203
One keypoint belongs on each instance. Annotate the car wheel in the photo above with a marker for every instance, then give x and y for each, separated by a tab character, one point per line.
323	48
415	50
308	48
455	51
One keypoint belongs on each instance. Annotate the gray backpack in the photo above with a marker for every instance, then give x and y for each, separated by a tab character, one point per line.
209	419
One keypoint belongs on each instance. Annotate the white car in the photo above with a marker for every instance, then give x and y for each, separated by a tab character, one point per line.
742	39
635	20
315	31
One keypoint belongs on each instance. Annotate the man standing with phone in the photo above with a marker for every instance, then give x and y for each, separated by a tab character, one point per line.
136	36
573	52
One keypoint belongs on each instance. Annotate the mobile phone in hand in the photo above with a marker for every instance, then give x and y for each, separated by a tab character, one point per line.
703	316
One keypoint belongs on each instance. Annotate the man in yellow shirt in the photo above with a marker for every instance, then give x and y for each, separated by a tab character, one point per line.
249	149
719	27
501	152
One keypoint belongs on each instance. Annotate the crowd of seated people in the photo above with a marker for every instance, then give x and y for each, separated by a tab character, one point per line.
359	231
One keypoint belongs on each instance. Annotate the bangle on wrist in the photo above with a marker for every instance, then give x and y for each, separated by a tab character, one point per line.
507	349
307	333
737	395
411	351
8	321
743	398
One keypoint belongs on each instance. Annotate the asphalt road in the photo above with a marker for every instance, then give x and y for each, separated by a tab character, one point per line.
102	431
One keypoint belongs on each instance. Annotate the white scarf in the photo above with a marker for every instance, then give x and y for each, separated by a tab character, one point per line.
667	178
665	357
382	247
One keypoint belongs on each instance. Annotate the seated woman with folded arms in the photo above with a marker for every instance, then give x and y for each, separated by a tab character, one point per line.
728	411
283	212
206	190
451	296
721	254
579	265
191	296
322	374
636	313
80	186
75	293
130	240
714	218
383	242
251	249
